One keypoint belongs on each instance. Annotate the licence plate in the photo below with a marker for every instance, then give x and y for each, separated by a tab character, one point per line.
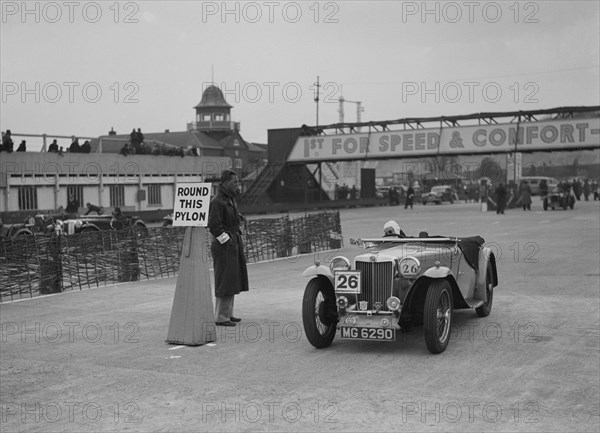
381	334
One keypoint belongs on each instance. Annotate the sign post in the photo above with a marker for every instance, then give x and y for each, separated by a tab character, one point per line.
192	316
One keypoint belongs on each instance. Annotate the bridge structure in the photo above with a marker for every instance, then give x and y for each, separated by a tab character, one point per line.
301	159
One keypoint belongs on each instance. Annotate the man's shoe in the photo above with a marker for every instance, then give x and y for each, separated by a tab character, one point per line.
226	323
235	319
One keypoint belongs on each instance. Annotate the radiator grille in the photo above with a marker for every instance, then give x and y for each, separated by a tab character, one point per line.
376	282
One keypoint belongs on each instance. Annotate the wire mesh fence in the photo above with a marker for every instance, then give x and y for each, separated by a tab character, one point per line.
46	263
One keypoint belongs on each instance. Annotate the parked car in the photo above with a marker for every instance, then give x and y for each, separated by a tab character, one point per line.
562	196
395	282
534	183
439	194
94	223
16	230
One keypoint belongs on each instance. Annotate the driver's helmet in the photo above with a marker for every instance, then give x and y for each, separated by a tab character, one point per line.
391	228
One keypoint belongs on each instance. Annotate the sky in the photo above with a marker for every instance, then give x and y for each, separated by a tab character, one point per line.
82	67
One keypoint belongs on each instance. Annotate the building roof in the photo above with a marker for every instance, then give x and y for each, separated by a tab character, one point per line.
183	139
212	97
256	147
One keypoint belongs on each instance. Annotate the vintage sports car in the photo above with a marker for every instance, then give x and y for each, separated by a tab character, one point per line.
94	223
396	281
69	225
439	194
560	197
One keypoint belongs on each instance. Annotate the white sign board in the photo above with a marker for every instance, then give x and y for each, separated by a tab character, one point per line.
192	201
497	138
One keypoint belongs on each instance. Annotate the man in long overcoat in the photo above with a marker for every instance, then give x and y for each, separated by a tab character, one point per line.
500	198
231	274
526	195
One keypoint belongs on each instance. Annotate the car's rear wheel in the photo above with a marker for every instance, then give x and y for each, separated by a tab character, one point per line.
486	308
319	312
437	316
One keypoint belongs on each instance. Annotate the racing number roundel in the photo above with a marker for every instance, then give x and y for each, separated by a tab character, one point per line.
409	266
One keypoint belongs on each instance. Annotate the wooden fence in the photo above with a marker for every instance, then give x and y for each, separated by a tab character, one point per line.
46	263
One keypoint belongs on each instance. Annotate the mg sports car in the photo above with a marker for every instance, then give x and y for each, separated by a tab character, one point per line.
395	281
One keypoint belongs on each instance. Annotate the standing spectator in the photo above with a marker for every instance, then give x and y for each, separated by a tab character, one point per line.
140	136
72	205
75	147
595	190
53	146
525	195
501	198
231	274
7	143
586	190
22	147
353	192
61	151
410	192
133	139
394	196
543	188
576	189
86	147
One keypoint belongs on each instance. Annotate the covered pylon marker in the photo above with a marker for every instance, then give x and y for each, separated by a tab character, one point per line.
192	317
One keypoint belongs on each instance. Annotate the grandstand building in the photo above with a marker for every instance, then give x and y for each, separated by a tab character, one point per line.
36	182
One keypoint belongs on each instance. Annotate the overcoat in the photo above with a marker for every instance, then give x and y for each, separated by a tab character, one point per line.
525	194
231	274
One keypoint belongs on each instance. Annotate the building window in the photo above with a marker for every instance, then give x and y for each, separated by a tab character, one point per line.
154	197
77	191
117	195
206	118
236	142
237	164
219	117
27	198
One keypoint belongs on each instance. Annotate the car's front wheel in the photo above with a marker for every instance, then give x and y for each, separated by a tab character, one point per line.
437	315
486	308
319	312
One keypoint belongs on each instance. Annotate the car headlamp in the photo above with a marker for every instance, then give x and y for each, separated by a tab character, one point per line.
78	224
339	263
342	302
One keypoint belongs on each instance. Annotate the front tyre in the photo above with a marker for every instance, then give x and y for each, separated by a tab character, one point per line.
437	315
486	308
319	312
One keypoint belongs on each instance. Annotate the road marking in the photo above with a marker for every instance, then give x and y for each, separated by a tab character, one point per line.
176	347
173	357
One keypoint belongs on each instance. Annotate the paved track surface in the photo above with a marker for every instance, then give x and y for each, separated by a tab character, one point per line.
97	360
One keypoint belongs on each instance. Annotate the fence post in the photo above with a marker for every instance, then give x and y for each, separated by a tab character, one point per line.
51	276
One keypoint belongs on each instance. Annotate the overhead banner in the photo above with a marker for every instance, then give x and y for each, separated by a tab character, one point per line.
499	138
